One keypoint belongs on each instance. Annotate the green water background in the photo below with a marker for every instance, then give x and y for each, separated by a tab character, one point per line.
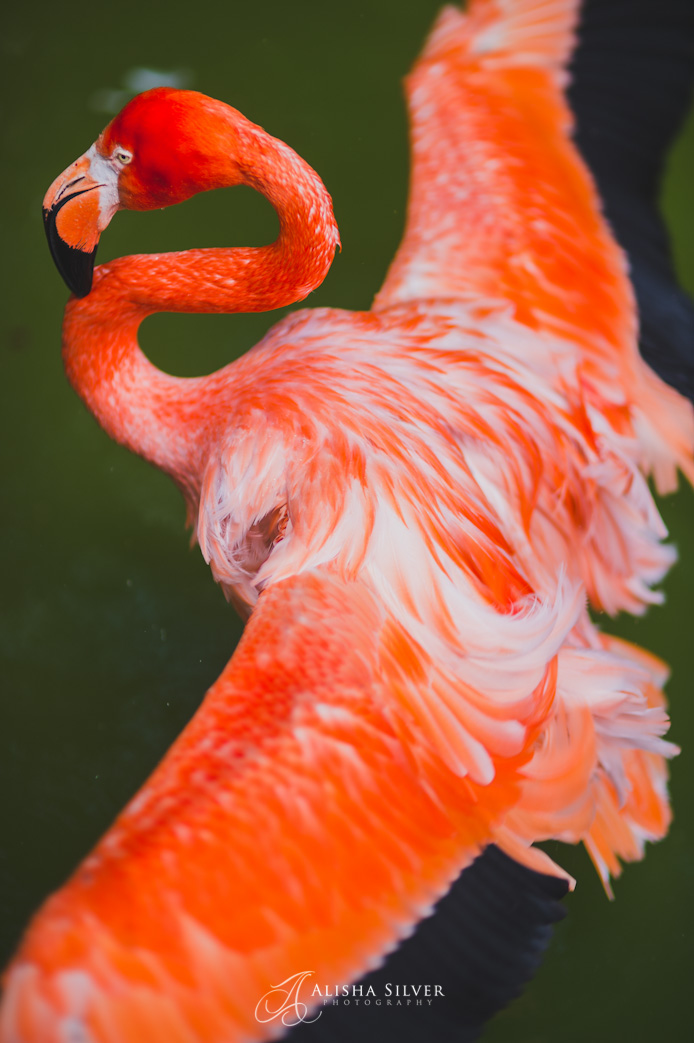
112	627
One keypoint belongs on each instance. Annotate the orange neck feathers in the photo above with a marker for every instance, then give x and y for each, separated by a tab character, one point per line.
168	420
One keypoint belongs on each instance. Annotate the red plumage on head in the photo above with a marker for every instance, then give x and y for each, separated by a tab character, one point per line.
174	137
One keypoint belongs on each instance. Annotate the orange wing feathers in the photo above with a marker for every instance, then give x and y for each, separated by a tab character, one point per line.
286	829
502	206
500	203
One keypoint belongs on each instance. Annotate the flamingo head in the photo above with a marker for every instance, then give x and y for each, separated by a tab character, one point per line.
163	147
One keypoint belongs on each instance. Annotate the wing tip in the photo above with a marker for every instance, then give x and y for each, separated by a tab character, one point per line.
483	944
540	33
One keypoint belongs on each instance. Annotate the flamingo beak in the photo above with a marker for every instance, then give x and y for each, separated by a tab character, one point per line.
72	219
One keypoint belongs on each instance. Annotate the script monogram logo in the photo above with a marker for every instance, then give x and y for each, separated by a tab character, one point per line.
282	1001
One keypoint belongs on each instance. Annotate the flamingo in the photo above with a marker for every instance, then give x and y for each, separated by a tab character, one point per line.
410	506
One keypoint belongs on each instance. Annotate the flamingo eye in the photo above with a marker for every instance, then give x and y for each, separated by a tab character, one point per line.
122	156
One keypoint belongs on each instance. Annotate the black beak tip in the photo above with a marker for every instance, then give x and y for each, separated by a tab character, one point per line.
75	266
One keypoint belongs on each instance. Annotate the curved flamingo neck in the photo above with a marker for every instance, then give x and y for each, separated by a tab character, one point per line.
170	420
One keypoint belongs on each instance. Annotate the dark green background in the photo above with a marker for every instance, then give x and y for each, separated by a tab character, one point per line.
112	628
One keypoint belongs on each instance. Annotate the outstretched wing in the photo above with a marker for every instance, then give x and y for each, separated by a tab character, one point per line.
287	831
501	204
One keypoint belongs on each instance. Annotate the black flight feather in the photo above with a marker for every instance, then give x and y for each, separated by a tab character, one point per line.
631	86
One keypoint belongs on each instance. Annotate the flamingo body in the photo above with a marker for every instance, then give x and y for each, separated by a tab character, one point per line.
413	506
